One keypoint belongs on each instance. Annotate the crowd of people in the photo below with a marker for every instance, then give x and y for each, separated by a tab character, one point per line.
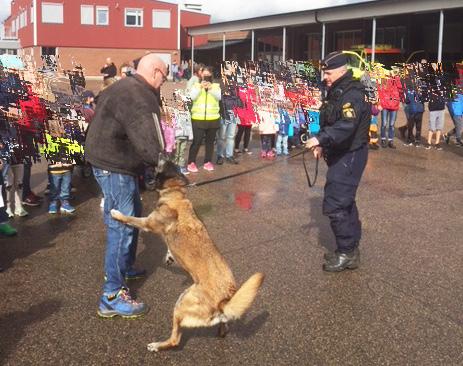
283	103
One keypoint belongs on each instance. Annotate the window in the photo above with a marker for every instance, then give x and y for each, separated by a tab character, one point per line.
52	13
161	19
48	51
134	17
86	14
102	15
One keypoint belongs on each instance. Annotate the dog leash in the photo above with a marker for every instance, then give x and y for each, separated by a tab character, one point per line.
310	183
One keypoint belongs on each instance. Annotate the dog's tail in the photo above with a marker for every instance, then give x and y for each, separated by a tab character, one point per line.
243	298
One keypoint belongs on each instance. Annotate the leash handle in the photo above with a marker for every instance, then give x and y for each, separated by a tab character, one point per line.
309	182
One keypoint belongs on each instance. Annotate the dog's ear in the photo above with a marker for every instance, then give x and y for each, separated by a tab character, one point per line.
168	213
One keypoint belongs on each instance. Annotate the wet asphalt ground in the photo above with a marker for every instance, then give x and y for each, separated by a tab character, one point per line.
401	307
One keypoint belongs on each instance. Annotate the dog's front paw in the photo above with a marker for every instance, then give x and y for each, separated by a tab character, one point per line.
116	214
153	347
169	259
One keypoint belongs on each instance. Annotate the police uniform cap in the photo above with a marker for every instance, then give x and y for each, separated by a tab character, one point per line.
334	60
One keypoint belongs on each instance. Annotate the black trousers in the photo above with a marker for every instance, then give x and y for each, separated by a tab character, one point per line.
200	133
342	180
246	130
414	121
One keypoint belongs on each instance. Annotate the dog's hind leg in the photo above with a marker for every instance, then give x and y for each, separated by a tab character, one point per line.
191	310
173	341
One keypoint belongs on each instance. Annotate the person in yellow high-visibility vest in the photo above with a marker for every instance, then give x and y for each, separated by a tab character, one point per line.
205	118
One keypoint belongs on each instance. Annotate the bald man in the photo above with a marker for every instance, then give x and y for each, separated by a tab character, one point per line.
121	139
109	71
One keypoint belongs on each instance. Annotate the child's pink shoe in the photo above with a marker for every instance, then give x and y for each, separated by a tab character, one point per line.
270	154
209	166
263	154
192	168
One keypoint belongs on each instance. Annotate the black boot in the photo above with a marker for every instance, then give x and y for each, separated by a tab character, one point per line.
342	261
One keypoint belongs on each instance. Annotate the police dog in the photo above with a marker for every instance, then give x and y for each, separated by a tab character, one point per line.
214	297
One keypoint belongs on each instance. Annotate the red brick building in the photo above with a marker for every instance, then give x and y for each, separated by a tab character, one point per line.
89	31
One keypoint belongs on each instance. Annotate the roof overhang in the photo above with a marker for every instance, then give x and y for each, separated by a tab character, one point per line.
368	9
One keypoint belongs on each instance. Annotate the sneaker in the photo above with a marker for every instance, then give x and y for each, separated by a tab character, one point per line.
408	143
247	151
446	138
134	274
66	207
428	147
238	151
31	200
220	160
208	166
383	143
192	168
7	230
184	170
9	212
417	144
53	207
232	160
21	212
263	154
122	305
391	145
438	147
459	143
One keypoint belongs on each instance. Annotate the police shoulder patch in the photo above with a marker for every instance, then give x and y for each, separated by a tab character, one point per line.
347	111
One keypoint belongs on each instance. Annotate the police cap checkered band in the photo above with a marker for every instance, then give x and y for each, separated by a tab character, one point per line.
334	60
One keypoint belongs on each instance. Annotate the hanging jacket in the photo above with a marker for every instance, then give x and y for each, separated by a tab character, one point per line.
205	103
390	91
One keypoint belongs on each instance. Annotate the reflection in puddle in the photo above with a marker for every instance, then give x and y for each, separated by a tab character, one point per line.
244	200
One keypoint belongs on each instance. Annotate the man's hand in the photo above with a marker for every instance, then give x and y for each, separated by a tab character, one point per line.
318	152
312	143
205	84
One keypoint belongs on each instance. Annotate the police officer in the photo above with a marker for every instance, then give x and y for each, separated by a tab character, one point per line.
342	141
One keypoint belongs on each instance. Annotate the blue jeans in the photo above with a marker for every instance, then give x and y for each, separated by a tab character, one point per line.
60	186
226	137
388	118
282	140
120	193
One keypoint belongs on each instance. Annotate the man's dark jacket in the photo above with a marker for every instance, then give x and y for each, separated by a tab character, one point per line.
110	71
122	135
344	117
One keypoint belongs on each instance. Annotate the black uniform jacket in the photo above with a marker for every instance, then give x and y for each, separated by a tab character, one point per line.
344	118
122	135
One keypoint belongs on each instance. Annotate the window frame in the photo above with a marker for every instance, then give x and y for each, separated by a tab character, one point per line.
97	8
85	6
126	10
161	11
61	5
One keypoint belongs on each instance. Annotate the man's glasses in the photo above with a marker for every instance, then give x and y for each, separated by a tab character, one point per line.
164	76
